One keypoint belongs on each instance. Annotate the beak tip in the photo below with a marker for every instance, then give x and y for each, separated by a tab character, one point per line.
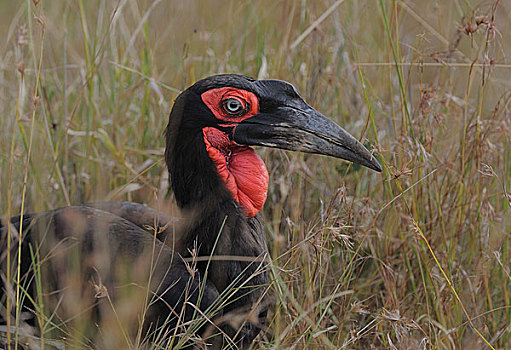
375	165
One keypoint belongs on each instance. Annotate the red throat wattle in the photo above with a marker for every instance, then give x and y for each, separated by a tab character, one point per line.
241	169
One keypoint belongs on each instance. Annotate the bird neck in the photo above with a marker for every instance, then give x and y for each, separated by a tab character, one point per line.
215	224
202	193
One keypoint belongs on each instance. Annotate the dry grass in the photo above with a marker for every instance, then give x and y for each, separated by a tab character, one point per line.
415	257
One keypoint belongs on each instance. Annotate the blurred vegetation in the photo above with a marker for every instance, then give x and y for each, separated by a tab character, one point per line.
417	257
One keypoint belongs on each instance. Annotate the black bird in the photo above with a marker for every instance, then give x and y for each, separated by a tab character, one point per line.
210	261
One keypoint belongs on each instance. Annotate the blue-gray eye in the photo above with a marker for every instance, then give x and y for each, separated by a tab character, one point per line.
233	106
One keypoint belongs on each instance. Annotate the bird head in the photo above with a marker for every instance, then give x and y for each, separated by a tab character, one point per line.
268	113
233	112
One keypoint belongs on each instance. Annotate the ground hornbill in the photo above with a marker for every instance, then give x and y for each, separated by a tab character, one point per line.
211	261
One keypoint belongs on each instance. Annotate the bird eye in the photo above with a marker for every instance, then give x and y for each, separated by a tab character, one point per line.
233	106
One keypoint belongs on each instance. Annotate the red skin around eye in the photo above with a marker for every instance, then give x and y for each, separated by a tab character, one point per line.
213	99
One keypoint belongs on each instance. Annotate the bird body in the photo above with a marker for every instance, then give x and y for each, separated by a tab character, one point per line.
220	185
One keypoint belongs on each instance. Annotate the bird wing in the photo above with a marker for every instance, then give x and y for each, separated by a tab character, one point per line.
142	216
105	251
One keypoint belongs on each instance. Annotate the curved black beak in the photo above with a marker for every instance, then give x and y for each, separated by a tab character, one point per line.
298	127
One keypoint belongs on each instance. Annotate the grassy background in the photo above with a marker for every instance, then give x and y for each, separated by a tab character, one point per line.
415	257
